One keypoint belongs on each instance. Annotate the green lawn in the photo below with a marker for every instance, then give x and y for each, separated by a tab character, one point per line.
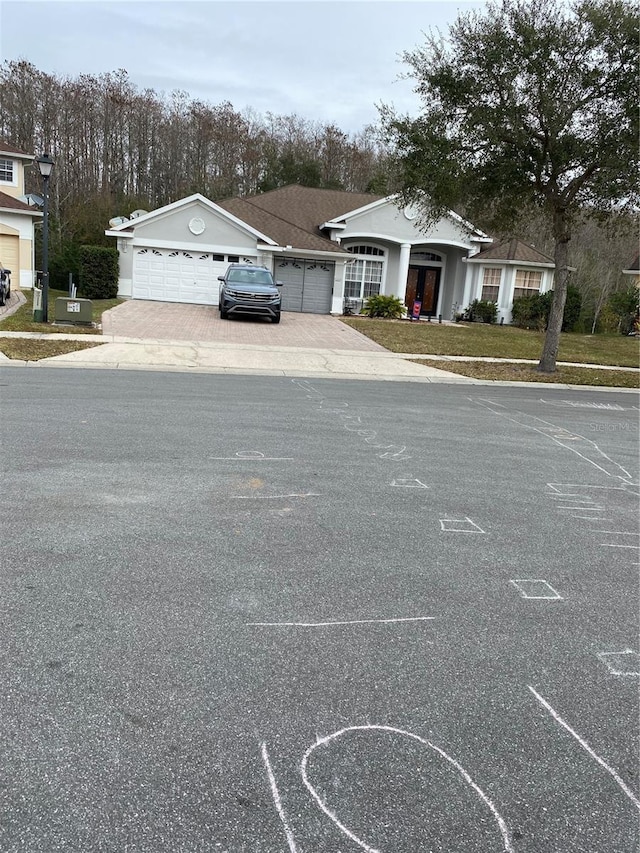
480	339
506	372
22	319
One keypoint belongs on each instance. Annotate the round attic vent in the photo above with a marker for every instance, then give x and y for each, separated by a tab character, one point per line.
196	225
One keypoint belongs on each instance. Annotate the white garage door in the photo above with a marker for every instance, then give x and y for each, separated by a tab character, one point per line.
307	285
9	249
174	275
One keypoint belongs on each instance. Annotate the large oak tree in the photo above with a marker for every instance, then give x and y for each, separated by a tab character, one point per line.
528	104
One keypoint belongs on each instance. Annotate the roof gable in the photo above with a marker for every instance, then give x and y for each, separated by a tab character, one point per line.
127	228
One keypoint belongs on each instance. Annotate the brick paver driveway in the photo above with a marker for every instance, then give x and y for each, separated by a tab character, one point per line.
171	321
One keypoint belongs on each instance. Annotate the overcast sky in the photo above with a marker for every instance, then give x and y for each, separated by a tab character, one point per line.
323	60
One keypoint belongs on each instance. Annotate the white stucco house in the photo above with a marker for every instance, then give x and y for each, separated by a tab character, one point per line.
324	245
17	217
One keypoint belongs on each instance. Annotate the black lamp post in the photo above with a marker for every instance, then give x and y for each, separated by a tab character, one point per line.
45	164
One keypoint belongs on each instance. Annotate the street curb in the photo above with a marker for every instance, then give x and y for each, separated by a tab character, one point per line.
298	374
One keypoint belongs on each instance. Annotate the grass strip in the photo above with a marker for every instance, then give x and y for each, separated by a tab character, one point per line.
22	319
28	349
528	373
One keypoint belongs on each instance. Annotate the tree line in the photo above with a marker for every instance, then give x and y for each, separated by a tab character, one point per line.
118	147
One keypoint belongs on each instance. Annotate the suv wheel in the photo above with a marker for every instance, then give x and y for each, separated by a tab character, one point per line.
276	319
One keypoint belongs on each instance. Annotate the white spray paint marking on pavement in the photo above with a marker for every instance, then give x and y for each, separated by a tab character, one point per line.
578	444
626	662
276	799
575	497
252	456
323	742
273	497
589	518
587	748
583	508
409	484
612	407
544	590
353	423
350	622
460	525
615	532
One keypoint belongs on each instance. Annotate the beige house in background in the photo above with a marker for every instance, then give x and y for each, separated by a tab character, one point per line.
634	270
17	217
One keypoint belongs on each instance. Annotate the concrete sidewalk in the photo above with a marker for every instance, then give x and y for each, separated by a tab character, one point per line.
116	352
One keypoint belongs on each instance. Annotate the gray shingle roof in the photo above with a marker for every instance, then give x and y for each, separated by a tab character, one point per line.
8	202
513	250
634	266
11	149
292	215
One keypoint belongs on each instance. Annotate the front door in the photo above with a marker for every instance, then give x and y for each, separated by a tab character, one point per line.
423	285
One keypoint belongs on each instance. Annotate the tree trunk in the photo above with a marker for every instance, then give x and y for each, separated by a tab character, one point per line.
562	235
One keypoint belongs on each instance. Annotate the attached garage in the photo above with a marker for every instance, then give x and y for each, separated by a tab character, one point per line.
175	275
10	255
307	284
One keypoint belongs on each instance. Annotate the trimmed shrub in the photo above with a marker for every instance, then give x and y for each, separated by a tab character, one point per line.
532	312
64	261
389	307
98	277
481	311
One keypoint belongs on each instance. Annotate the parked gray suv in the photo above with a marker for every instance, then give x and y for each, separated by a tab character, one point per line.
246	289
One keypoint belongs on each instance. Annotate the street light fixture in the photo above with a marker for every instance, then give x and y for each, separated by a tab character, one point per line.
45	164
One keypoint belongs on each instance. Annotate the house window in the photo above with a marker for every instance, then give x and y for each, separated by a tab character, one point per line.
363	277
527	283
426	256
491	284
365	250
6	171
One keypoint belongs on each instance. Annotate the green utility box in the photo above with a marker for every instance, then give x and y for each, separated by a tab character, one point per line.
78	311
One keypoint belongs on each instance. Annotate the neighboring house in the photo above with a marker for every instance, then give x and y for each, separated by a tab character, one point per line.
505	272
324	245
634	270
17	217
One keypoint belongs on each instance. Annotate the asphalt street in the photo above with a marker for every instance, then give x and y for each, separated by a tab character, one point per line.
274	615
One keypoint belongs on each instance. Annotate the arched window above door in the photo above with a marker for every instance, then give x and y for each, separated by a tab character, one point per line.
434	257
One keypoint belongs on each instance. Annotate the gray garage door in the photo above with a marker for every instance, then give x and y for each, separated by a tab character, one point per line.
307	285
